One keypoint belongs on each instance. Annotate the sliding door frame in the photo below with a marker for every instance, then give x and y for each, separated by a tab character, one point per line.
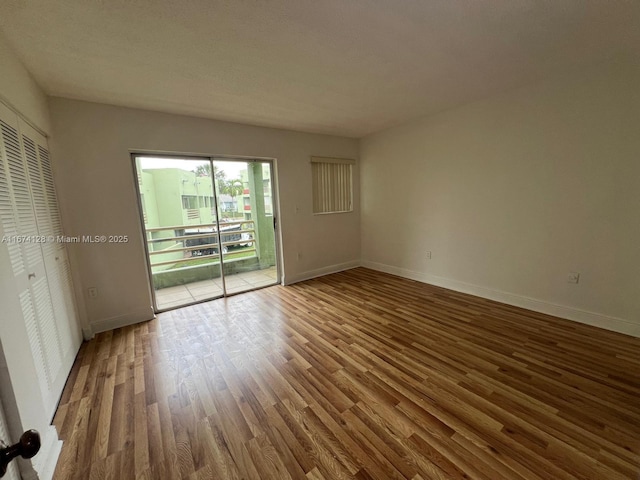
211	159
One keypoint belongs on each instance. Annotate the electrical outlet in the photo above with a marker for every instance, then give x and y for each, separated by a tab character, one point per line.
93	292
573	277
429	255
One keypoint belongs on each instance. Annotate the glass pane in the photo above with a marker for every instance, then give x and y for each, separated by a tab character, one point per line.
247	230
180	229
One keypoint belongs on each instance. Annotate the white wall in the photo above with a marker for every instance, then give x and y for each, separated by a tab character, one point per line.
96	188
512	193
20	91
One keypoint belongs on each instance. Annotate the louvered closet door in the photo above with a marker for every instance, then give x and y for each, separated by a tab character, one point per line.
27	216
54	250
19	224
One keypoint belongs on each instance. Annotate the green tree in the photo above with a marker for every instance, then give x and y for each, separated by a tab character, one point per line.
204	170
219	174
233	187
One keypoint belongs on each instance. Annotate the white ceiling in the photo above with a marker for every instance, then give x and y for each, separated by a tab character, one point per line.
347	67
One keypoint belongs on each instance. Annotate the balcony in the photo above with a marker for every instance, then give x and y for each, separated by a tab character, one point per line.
178	295
182	254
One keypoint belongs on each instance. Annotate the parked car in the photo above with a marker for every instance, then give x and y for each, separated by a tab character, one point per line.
228	233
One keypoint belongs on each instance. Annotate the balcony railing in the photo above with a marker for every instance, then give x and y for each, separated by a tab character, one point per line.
191	242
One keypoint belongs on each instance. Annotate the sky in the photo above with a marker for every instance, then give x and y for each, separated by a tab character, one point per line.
231	168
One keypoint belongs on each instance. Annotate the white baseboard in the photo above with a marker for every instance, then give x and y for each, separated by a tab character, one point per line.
117	322
87	332
308	275
570	313
44	463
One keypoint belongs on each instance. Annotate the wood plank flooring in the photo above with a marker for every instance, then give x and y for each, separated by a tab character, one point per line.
353	375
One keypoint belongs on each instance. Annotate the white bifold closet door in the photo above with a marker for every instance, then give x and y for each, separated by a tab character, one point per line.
31	226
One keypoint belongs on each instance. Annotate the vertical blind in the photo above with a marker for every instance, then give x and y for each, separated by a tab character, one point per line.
332	184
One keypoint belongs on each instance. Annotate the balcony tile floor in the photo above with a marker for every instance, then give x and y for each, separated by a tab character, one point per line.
174	297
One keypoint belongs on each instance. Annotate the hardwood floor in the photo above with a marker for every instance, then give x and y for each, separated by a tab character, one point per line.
353	375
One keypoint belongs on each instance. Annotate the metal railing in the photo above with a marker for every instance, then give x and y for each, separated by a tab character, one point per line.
201	241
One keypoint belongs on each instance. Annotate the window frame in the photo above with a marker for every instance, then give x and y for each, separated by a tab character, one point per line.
329	187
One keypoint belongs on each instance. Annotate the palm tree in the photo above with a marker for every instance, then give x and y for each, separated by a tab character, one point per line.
233	187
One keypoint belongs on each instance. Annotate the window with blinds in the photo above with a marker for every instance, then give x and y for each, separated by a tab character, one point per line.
332	184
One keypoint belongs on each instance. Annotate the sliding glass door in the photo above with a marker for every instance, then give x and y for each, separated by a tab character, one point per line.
247	225
209	227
